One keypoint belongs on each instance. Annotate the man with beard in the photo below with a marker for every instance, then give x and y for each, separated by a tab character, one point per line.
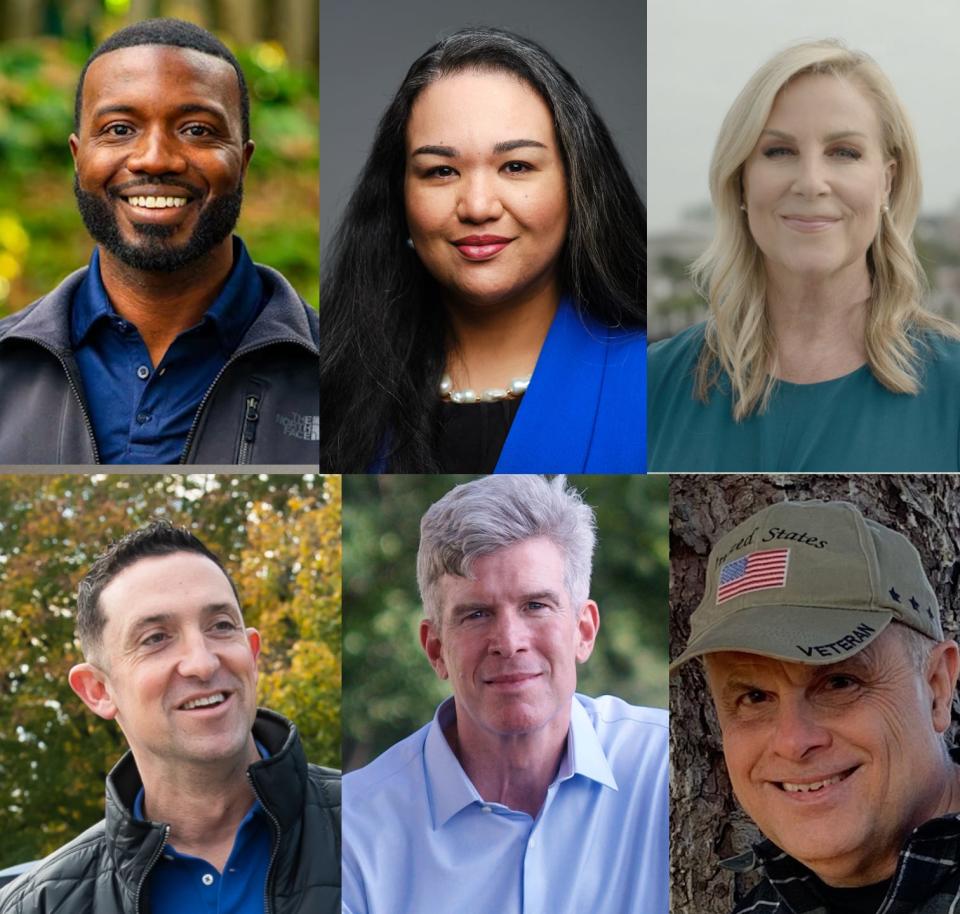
172	346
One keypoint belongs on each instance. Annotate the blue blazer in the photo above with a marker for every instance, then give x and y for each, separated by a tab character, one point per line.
585	410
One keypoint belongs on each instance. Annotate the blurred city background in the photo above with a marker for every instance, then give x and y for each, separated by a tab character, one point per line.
43	45
389	687
701	55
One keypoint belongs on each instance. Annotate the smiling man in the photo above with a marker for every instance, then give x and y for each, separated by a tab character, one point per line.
172	346
214	808
520	795
823	649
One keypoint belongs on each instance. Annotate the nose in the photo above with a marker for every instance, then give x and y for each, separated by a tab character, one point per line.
156	152
799	730
478	201
509	635
197	660
810	179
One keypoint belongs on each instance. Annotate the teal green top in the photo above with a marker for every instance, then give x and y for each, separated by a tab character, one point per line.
849	424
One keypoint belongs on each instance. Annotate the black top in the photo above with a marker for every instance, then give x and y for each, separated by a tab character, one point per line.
473	434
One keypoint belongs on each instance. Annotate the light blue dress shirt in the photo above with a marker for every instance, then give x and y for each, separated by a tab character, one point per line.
417	837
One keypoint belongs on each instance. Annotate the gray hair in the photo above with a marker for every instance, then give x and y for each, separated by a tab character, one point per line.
480	517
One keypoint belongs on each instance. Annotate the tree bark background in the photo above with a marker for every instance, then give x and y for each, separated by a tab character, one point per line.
707	824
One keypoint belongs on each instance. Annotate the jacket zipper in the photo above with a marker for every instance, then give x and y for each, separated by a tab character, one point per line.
250	416
234	358
151	865
267	899
76	393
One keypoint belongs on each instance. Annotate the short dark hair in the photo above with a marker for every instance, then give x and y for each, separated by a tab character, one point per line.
158	538
174	33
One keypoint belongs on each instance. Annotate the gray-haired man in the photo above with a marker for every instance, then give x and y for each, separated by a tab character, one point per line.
822	645
520	795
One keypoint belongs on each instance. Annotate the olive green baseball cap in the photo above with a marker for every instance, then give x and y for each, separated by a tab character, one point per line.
810	582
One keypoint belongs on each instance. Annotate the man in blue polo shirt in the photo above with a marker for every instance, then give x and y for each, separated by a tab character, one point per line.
172	346
214	808
520	795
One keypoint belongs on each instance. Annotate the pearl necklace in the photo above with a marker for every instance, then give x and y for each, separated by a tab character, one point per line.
515	389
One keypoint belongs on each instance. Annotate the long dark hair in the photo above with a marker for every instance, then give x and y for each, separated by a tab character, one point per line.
382	348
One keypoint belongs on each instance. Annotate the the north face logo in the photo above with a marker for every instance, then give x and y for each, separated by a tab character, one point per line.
307	428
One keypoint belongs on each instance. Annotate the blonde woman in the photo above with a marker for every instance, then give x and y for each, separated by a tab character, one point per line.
818	354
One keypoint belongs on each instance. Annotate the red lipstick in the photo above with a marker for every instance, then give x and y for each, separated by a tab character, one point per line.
481	247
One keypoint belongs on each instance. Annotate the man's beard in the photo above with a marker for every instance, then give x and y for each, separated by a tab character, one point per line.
215	222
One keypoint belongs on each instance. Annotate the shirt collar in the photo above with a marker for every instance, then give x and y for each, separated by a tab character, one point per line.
449	789
232	312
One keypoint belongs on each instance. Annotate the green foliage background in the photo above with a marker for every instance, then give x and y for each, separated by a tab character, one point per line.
42	238
389	688
279	537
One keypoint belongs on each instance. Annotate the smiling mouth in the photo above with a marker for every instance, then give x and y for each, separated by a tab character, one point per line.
810	223
481	247
152	202
206	701
511	679
814	786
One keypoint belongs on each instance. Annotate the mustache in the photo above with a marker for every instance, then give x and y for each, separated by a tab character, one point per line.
121	189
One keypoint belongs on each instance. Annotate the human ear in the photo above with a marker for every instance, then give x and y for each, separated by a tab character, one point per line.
889	174
91	684
433	647
942	668
588	624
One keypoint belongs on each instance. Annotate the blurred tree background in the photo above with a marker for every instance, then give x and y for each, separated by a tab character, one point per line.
390	689
43	46
279	537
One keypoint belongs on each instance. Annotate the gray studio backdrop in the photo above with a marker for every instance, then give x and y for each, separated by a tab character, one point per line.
366	47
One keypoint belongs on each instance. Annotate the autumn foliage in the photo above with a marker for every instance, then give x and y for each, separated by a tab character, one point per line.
280	539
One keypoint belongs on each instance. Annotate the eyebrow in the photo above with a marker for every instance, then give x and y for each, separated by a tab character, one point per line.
210	609
829	138
186	108
534	596
500	148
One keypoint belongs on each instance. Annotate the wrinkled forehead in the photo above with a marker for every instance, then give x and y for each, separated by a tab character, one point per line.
725	667
525	567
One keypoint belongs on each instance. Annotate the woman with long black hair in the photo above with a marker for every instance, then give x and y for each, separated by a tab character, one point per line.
484	305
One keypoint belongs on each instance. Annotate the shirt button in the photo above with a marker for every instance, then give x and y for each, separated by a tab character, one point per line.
485	809
143	372
143	418
207	879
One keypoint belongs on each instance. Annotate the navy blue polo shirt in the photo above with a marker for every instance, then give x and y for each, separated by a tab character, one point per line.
180	883
141	413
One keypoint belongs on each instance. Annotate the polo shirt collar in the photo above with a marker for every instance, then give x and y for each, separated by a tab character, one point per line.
232	312
449	790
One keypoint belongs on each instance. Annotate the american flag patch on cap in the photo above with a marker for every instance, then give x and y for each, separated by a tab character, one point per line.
754	571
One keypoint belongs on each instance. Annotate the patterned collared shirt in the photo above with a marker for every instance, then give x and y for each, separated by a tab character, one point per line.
926	880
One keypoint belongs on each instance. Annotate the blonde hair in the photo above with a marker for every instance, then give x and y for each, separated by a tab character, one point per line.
730	274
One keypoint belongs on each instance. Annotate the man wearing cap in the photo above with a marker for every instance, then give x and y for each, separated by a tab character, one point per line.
821	641
521	795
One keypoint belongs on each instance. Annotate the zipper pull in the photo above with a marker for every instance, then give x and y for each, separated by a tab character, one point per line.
250	418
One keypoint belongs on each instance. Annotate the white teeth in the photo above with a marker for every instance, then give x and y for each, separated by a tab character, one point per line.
815	785
203	702
157	202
